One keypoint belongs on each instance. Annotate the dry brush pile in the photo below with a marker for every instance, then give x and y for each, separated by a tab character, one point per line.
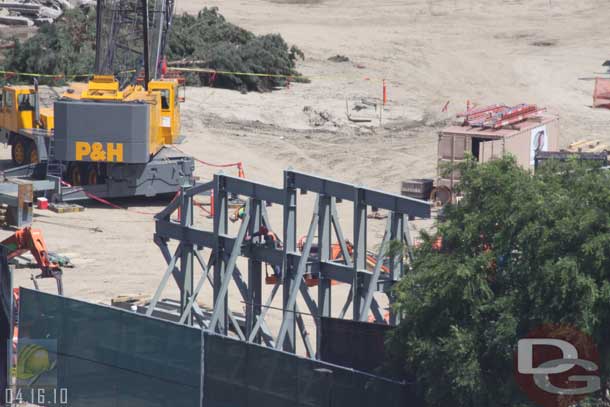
208	41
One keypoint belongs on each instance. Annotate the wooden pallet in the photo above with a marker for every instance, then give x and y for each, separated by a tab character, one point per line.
65	208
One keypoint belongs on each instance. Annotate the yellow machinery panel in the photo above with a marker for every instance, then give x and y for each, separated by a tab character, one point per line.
47	118
170	109
17	108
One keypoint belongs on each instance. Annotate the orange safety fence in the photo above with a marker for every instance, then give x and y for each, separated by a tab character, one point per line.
601	94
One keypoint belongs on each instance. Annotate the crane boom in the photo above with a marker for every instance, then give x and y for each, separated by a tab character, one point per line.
131	36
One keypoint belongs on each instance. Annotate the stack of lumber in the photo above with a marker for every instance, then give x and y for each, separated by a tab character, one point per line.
587	146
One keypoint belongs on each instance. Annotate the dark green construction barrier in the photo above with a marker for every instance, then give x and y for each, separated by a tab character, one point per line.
109	357
103	356
240	374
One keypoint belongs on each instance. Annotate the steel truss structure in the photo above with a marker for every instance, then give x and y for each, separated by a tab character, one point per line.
292	264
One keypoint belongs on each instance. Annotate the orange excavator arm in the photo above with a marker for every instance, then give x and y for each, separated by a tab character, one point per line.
31	240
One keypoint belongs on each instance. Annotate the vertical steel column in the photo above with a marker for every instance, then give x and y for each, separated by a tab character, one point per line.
255	282
397	233
360	209
220	230
186	258
99	6
146	44
326	203
290	247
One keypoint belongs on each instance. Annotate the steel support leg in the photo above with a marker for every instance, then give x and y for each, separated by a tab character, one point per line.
360	220
220	230
400	234
255	282
289	306
186	260
228	272
288	268
324	244
374	279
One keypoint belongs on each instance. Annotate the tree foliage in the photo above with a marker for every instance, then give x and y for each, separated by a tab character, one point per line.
223	46
520	250
67	47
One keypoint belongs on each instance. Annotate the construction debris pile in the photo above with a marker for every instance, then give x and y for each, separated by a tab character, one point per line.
35	12
66	47
214	51
209	41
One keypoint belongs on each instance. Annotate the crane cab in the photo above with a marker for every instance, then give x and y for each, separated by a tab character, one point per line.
20	115
17	108
170	109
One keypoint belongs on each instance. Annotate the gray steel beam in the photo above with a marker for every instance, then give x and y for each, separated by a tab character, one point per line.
371	286
255	282
261	317
169	209
295	280
204	276
348	302
162	244
324	247
398	234
288	268
352	269
200	188
304	333
371	197
337	226
227	276
186	259
174	231
360	224
220	229
261	192
164	280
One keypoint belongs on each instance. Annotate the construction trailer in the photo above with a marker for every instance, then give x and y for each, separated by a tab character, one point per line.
485	138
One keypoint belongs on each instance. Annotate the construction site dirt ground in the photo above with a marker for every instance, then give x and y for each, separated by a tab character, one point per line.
430	52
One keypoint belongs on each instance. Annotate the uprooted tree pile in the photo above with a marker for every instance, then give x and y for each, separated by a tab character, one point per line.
207	41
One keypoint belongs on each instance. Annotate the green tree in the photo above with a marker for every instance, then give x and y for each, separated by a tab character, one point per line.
519	251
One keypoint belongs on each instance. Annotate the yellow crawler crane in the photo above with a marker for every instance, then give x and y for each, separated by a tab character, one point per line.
107	141
115	142
105	138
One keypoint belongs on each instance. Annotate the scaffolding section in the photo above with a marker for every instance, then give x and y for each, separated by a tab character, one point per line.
295	264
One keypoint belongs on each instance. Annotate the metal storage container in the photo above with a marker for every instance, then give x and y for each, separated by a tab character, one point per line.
419	188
